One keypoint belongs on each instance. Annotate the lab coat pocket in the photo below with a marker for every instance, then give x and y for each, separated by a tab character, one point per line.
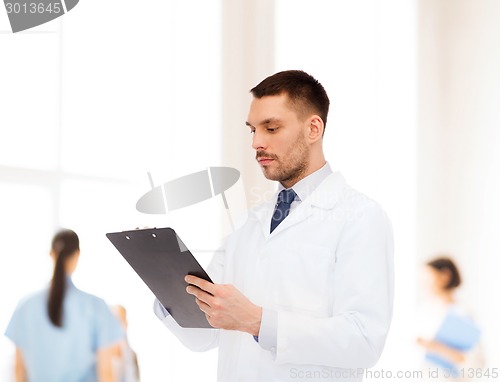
304	282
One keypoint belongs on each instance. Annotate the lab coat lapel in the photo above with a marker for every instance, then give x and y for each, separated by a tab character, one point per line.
264	213
302	212
324	197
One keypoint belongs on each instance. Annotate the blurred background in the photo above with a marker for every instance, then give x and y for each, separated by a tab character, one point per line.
92	101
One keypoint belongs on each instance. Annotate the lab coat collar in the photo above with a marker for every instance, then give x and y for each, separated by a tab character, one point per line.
325	197
328	192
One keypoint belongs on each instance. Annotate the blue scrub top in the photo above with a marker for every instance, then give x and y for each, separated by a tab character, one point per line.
64	354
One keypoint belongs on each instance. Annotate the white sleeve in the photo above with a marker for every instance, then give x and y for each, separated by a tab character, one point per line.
268	333
354	336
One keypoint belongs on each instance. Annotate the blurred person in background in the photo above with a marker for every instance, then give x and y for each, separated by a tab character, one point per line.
448	334
62	334
125	359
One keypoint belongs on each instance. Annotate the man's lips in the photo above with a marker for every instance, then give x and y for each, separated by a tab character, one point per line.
263	161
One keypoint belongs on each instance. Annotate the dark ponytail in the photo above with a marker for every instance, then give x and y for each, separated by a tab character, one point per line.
64	244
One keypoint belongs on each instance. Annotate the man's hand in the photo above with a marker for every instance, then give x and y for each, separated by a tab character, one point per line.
225	306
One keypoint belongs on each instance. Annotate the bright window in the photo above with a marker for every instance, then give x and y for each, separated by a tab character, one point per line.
90	103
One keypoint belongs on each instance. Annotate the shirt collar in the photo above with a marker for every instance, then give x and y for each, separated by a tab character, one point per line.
69	282
307	185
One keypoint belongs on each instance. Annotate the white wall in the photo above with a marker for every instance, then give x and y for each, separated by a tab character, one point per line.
88	104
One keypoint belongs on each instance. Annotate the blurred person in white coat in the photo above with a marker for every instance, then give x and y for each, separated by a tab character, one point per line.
441	281
304	287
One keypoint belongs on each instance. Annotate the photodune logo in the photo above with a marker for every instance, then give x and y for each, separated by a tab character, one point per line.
26	14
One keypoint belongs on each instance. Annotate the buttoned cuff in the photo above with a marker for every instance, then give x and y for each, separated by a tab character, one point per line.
160	310
268	333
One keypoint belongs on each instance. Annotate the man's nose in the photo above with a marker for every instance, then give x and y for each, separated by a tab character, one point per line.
258	141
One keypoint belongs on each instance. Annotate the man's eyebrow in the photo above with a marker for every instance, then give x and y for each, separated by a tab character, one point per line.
266	121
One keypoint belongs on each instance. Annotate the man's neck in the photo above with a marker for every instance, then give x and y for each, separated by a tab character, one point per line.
310	170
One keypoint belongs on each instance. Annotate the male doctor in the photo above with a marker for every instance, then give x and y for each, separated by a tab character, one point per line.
304	288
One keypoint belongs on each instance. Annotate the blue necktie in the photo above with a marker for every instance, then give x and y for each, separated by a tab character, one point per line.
285	199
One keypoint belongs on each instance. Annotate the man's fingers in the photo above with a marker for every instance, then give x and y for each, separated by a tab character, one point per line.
205	308
199	294
200	283
208	313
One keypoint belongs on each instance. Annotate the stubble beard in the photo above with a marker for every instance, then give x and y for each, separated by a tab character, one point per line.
292	167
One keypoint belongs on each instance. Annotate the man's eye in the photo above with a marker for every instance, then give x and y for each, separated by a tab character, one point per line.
272	129
252	131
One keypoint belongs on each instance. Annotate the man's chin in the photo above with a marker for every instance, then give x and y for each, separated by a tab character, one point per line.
271	175
268	173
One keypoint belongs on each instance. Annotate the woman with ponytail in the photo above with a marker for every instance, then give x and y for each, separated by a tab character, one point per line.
61	333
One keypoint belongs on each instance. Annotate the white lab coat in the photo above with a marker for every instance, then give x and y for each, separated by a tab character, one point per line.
327	270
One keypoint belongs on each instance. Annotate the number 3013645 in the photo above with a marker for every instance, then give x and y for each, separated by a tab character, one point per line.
33	8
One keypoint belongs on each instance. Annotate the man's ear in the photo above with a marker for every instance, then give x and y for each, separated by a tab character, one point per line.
316	128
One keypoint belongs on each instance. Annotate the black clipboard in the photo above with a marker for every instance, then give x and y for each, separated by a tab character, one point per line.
161	260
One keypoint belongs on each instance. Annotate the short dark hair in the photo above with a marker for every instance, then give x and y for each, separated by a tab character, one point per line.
305	93
445	264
